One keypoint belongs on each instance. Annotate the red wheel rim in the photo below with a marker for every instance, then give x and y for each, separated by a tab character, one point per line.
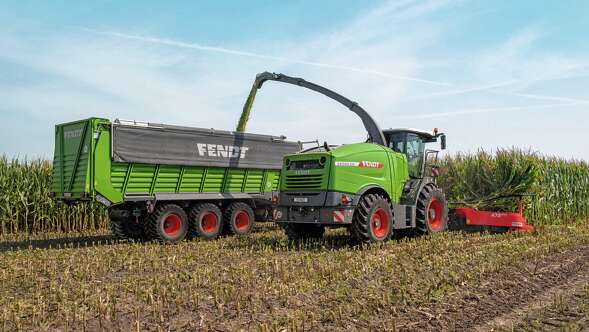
242	221
379	223
172	224
434	214
209	222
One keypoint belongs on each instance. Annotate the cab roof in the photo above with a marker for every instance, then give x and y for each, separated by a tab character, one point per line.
423	133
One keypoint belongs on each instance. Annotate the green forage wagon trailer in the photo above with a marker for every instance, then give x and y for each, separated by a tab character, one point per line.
167	182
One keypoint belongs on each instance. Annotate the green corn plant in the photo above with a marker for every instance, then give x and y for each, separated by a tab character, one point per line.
25	205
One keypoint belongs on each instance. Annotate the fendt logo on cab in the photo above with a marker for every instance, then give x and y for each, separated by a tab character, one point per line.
224	151
371	164
361	164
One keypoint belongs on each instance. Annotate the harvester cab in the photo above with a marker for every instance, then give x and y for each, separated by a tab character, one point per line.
412	142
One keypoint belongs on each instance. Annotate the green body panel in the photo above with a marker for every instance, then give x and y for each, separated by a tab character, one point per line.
98	174
350	169
309	180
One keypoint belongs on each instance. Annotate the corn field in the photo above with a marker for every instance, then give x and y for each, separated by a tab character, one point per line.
560	191
563	192
559	188
25	205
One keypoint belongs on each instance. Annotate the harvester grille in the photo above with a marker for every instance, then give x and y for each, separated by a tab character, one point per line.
303	182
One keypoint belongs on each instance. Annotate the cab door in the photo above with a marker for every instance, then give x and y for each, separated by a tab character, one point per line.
414	149
412	146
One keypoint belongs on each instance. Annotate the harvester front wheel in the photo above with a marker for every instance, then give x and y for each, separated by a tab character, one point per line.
238	218
431	211
206	220
296	232
373	219
168	223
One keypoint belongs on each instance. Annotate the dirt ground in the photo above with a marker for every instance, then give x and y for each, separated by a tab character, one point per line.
548	293
447	282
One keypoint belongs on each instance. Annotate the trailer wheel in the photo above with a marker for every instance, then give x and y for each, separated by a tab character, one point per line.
206	220
373	219
238	218
431	211
168	223
296	232
116	228
123	226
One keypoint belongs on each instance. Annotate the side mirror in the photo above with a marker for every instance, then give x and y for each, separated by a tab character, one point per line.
443	142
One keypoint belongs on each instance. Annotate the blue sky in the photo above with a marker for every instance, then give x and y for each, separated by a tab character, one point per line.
489	74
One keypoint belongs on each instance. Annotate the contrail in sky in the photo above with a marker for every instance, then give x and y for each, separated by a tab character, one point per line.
491	89
491	110
195	46
567	102
462	91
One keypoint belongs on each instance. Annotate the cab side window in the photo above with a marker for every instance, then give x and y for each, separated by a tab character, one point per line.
397	143
414	155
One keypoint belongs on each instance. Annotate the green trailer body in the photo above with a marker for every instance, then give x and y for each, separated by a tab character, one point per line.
84	169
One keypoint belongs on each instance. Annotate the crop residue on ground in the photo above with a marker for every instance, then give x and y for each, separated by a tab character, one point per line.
262	282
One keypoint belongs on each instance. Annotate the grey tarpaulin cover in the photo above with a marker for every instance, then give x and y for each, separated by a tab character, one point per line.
174	145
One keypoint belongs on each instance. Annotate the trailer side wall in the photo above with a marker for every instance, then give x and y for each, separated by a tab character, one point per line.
151	179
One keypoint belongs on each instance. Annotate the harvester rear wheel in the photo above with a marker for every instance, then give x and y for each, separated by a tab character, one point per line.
168	223
206	220
238	218
296	232
373	219
431	211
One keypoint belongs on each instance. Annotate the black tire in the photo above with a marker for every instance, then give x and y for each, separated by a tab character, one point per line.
431	211
296	232
373	219
206	220
168	224
123	226
238	219
117	229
